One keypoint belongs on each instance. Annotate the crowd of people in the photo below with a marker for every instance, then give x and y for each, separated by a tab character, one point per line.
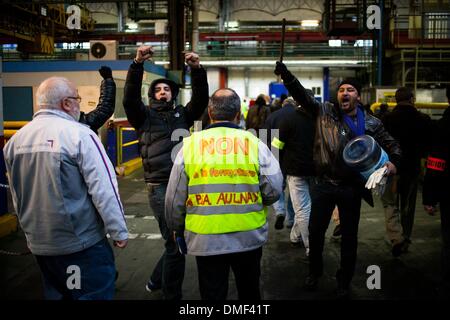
209	192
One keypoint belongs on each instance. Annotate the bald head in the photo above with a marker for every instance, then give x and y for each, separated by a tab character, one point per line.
58	93
224	105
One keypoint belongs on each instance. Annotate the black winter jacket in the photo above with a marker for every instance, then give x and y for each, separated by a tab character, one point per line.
436	186
412	129
332	134
105	108
155	126
296	131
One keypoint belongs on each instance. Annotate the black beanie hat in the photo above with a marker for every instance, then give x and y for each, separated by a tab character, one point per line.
353	82
403	94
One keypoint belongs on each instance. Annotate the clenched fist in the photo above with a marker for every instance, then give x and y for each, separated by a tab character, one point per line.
192	59
105	72
282	70
143	53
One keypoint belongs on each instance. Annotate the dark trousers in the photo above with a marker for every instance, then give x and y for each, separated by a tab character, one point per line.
406	201
324	197
213	273
168	273
94	266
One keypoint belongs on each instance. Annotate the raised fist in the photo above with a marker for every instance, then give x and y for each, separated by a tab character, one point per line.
192	59
282	70
105	72
143	53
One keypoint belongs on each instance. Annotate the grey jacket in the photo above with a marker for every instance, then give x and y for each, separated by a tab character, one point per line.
270	184
63	185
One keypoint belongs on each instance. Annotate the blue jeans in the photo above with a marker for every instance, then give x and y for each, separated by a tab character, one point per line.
168	273
299	191
280	206
96	269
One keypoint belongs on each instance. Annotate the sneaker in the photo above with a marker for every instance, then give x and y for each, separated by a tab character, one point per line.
151	287
298	244
279	223
311	282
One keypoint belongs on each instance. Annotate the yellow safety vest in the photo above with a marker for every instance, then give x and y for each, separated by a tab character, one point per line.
223	191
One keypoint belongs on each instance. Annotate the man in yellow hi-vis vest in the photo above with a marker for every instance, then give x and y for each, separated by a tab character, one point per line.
221	182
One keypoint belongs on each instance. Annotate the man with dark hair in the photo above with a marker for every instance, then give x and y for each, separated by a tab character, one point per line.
335	183
273	122
222	179
155	124
411	129
295	142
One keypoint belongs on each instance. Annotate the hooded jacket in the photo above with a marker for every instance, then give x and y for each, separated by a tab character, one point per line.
156	122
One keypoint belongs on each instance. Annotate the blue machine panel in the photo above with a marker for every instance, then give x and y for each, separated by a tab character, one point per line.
277	89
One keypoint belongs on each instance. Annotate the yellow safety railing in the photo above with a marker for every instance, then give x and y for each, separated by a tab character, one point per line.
125	168
419	105
11	127
14	124
120	144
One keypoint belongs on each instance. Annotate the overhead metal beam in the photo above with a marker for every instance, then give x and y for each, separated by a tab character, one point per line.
176	34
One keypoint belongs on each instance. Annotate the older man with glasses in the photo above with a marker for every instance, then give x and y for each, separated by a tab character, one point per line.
65	193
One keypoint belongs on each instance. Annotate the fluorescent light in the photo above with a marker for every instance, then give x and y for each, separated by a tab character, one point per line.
334	43
310	23
363	43
231	24
132	25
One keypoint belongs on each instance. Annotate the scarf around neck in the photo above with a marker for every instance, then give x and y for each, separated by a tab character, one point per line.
359	128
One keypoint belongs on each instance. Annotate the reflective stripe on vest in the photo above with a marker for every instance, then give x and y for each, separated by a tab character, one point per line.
223	190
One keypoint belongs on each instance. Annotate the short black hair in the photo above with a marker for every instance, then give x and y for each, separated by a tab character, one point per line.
223	105
403	94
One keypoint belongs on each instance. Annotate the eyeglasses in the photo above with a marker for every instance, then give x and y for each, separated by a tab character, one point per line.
75	98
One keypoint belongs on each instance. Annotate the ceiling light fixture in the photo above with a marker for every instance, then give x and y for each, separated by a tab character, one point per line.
310	23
